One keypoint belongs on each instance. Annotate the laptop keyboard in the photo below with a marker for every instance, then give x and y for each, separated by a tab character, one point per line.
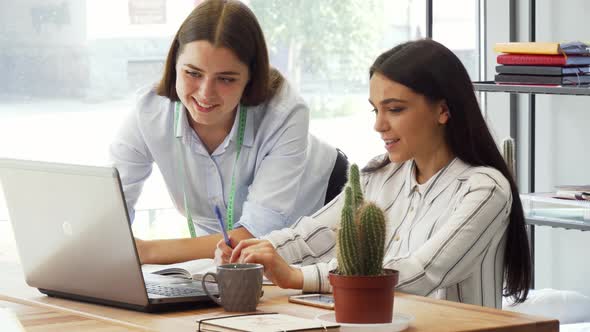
158	289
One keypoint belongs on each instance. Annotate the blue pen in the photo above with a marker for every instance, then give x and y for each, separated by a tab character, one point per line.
222	225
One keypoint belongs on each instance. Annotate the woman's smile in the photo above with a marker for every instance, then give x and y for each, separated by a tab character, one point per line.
204	107
391	144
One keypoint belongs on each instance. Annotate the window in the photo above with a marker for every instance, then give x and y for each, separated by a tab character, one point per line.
147	11
325	49
69	73
455	24
70	69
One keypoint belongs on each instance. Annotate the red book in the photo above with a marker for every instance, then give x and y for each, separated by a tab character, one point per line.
542	60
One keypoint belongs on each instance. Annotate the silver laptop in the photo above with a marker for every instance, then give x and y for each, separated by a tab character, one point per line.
75	241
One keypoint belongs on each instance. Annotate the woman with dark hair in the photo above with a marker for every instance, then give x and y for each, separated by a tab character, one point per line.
229	135
455	222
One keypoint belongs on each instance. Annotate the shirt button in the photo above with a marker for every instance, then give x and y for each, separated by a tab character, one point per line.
396	237
411	209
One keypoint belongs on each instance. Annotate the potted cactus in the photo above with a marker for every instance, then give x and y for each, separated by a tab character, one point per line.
363	290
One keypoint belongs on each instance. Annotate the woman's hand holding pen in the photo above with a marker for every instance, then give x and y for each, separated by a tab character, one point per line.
276	269
223	252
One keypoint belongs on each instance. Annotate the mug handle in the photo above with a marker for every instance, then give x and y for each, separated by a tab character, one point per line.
203	283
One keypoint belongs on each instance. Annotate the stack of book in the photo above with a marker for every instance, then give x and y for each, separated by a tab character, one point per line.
575	192
543	63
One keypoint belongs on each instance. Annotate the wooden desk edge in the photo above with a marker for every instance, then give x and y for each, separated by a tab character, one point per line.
70	311
535	323
542	323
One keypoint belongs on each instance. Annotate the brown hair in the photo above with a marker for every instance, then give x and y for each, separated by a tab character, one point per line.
229	24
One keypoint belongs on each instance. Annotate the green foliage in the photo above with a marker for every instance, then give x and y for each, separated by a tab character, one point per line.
321	33
361	237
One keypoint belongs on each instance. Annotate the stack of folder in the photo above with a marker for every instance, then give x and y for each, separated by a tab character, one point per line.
543	63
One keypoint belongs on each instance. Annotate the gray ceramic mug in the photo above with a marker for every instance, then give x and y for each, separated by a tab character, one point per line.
240	286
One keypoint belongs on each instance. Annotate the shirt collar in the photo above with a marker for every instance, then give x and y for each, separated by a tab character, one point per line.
438	182
182	128
248	131
182	125
410	182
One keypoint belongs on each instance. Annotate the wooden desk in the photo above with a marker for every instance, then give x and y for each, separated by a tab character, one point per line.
430	314
40	318
39	312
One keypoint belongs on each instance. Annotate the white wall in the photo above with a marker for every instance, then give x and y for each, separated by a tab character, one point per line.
562	123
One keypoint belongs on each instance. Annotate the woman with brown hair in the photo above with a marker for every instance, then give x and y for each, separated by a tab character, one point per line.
228	134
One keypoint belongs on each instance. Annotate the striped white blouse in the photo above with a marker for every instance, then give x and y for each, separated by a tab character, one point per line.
446	236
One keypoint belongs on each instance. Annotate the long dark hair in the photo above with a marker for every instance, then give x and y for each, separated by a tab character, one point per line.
433	71
230	24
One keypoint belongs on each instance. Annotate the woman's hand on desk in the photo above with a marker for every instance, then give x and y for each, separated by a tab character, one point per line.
276	269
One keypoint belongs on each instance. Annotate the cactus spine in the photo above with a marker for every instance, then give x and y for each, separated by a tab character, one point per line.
348	240
372	235
361	238
355	184
509	154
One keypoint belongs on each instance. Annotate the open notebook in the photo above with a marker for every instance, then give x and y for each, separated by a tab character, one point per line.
194	269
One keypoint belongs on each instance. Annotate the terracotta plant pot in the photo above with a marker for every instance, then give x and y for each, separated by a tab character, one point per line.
364	299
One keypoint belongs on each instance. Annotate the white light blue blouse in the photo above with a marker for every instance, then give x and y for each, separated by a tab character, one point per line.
282	172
